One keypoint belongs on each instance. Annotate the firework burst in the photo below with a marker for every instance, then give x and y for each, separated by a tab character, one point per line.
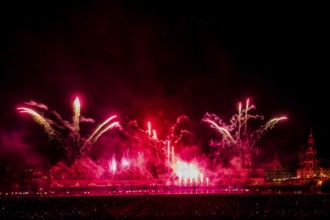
53	127
243	141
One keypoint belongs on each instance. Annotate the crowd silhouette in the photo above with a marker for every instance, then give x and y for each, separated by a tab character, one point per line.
212	206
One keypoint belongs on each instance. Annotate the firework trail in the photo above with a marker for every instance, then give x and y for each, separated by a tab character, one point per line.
246	115
271	123
222	130
179	120
125	161
76	118
266	127
39	120
97	133
99	127
218	120
182	132
112	125
113	164
239	120
178	124
76	113
154	134
149	128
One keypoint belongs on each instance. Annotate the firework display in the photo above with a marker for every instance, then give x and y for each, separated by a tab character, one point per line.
146	154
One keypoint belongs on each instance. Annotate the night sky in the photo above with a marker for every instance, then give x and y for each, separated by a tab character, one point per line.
159	61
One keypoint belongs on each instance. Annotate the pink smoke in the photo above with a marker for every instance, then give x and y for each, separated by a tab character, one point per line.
16	152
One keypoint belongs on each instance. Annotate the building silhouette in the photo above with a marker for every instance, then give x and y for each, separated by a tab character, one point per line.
274	171
309	165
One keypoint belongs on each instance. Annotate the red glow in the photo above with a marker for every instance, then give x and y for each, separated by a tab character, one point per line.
142	154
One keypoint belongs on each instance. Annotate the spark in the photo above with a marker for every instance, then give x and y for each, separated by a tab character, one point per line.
125	161
201	178
221	129
39	120
149	128
187	171
239	120
268	126
182	132
155	134
271	123
246	115
113	165
112	125
76	113
99	127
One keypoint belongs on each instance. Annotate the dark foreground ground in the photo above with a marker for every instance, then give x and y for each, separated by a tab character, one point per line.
216	206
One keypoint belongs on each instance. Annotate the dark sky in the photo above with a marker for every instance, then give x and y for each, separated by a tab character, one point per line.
163	60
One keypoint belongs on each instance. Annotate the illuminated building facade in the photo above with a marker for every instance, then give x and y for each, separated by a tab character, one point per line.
308	163
276	172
